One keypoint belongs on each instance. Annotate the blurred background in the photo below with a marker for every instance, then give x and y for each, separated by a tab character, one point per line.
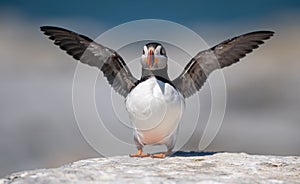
37	123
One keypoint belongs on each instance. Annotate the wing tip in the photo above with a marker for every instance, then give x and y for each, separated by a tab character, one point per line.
269	33
265	31
263	34
45	28
49	30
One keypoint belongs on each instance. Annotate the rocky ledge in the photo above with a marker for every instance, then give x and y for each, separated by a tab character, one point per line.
183	167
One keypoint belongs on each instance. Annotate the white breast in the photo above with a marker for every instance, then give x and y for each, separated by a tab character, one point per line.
155	109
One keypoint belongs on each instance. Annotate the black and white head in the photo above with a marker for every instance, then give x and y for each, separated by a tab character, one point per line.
154	56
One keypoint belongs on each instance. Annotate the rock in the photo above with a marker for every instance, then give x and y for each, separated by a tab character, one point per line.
184	167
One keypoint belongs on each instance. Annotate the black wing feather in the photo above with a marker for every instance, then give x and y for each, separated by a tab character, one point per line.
224	54
82	48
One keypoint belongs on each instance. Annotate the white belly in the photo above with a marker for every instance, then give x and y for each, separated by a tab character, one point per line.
155	109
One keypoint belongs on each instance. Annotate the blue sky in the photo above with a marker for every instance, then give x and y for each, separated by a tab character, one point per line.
115	12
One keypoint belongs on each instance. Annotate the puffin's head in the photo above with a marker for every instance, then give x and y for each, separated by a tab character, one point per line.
154	56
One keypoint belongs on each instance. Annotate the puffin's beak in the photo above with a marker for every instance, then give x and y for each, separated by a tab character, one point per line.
150	58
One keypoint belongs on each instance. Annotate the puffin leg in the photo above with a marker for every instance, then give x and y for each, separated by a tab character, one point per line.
170	143
139	146
140	154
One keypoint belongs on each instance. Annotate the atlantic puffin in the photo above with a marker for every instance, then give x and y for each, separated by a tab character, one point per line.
155	103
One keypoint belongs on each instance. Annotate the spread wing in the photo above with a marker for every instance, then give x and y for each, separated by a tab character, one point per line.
89	52
224	54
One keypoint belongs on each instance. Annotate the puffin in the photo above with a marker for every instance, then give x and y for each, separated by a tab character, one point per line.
155	103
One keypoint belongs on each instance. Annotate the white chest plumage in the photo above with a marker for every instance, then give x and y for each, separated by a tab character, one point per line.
155	109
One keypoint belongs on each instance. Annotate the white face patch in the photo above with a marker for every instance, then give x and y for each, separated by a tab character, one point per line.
145	51
157	50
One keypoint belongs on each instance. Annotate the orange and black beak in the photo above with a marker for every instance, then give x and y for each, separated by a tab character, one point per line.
150	58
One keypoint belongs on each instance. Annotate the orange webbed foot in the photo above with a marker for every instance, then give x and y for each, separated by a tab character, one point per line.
140	154
158	155
161	155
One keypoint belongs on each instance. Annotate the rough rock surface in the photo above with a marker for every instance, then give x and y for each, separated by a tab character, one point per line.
189	167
